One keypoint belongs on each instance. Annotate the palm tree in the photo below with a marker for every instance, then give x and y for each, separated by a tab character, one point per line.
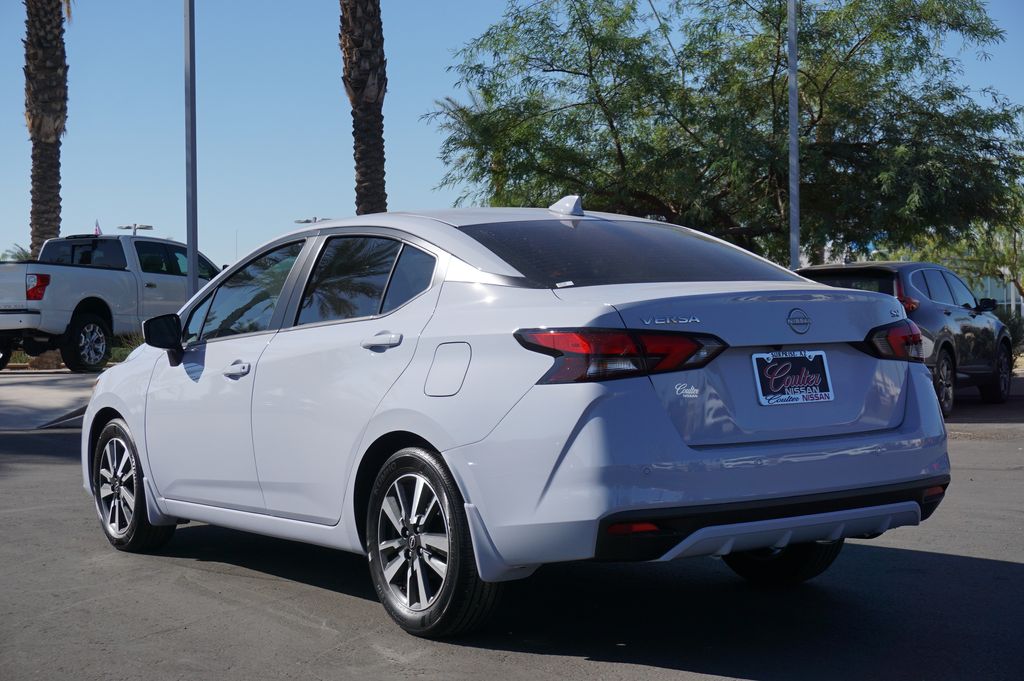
366	81
46	110
16	252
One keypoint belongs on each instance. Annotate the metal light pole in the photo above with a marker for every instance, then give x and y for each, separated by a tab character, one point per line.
192	228
794	145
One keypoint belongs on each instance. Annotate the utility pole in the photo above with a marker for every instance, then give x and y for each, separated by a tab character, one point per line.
192	228
794	143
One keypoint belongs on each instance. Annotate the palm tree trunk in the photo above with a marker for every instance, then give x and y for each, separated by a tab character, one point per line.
45	215
46	110
365	79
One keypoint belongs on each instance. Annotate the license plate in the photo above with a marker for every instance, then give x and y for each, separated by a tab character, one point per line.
792	377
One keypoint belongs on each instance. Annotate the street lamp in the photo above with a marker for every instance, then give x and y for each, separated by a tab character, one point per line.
135	227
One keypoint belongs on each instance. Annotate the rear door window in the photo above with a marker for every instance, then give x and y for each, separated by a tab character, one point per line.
961	294
937	288
413	273
560	253
349	279
153	257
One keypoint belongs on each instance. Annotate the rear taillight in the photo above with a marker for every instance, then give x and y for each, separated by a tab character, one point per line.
909	304
35	286
899	340
604	354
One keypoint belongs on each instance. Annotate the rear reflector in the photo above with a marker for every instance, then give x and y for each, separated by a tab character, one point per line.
35	286
937	491
603	354
632	528
899	340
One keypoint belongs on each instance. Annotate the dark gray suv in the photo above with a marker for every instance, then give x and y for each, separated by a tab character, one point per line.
964	343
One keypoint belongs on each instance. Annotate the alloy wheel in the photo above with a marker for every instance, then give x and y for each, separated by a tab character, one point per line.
117	491
945	383
92	344
413	541
1005	372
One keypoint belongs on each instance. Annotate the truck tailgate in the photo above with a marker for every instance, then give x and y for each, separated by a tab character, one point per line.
12	286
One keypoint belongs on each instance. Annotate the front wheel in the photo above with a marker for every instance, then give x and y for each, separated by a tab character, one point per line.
6	350
120	495
420	551
86	344
944	378
778	567
998	390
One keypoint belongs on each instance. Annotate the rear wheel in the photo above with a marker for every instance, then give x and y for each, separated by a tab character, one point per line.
86	344
120	495
6	350
998	390
419	548
791	565
944	379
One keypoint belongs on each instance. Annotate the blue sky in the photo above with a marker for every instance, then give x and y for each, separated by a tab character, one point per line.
274	131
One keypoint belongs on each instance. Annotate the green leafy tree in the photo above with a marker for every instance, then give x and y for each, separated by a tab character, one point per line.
677	111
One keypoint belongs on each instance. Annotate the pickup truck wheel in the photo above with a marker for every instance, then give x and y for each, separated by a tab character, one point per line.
780	567
6	350
86	344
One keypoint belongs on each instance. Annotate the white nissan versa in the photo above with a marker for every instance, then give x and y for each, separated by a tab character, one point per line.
466	395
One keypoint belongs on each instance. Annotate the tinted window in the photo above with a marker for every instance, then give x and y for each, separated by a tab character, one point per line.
153	257
882	282
195	322
411	277
349	279
245	301
180	261
961	294
91	252
557	253
918	282
937	289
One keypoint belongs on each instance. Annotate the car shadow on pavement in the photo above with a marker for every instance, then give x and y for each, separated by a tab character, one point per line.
969	408
878	613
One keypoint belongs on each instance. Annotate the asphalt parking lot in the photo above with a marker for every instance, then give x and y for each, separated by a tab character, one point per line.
941	601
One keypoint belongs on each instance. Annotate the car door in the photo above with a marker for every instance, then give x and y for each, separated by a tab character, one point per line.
161	290
198	414
319	382
979	326
939	293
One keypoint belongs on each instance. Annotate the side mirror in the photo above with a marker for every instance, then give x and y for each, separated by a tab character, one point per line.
164	332
987	305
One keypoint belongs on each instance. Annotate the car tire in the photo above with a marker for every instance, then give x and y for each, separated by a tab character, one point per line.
120	495
6	350
781	567
944	380
420	551
86	344
998	390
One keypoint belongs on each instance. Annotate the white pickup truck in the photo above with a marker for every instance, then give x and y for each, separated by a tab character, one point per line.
86	290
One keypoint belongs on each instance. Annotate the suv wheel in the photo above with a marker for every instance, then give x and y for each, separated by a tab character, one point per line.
777	567
87	342
120	495
419	548
944	379
998	390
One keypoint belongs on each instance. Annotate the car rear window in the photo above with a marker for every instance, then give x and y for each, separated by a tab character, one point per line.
880	282
560	253
90	252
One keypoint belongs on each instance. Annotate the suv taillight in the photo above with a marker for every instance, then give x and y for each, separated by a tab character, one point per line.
603	354
899	340
909	304
35	286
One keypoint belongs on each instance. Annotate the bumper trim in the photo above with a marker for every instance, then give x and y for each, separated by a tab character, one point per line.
677	525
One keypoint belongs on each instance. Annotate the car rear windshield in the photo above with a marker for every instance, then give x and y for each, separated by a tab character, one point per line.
881	282
560	253
89	252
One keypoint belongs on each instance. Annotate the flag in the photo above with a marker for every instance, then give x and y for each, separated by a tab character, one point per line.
96	230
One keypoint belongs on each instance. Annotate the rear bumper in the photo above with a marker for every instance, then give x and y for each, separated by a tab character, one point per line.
19	320
718	529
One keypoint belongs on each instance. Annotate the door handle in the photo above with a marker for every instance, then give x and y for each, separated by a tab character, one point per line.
150	284
382	340
236	369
